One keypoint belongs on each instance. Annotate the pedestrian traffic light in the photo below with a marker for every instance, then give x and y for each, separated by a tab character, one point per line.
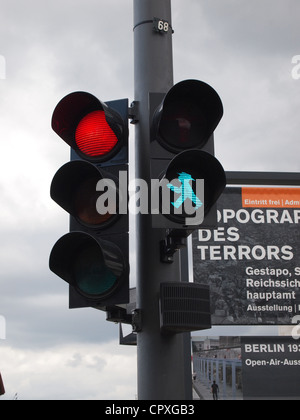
94	256
189	178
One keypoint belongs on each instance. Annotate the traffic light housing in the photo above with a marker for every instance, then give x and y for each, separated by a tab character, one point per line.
191	179
95	130
93	258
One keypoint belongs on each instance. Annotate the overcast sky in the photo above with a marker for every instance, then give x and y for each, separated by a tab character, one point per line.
244	49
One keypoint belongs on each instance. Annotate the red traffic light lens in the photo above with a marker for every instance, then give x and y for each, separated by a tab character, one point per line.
94	137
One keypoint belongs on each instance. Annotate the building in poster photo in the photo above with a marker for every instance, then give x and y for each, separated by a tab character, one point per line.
251	261
217	364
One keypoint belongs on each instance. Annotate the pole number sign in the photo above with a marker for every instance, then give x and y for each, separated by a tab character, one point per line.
160	25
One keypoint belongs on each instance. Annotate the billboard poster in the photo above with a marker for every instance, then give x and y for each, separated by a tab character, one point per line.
251	261
246	368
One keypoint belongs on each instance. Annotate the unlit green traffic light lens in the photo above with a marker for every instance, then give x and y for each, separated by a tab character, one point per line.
92	276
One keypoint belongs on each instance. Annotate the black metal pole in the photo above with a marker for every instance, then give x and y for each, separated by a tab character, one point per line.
160	358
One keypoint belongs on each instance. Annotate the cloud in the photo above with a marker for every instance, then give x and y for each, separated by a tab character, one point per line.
249	28
243	49
97	372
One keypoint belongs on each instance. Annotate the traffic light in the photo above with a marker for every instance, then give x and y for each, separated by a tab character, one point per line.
189	178
94	256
